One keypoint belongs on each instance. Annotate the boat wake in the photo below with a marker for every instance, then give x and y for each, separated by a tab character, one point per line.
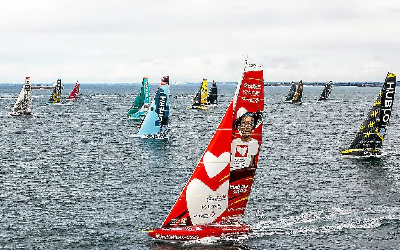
334	221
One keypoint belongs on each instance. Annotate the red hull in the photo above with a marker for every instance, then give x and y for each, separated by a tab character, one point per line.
200	231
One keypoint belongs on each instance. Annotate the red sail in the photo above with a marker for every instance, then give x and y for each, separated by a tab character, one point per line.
246	142
74	93
216	194
204	197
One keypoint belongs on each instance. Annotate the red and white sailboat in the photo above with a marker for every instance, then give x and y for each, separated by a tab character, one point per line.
74	93
215	197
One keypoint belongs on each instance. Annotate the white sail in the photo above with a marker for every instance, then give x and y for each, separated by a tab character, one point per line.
23	105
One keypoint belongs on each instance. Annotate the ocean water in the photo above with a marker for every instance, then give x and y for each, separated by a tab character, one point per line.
73	177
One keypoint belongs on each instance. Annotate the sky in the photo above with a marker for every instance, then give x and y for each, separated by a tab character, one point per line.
123	40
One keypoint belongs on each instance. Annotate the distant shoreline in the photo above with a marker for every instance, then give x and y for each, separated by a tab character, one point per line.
284	84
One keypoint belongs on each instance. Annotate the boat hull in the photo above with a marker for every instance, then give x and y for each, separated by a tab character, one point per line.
20	114
199	232
198	107
362	152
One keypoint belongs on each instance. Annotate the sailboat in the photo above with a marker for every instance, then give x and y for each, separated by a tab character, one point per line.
299	94
291	93
141	103
55	97
73	96
369	138
155	123
215	197
326	92
23	105
200	100
212	98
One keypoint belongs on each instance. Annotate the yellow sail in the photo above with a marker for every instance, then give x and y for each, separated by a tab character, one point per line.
204	92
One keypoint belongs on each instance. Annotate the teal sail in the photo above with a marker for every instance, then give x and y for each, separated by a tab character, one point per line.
141	102
155	124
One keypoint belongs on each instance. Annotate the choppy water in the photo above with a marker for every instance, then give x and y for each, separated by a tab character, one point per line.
73	177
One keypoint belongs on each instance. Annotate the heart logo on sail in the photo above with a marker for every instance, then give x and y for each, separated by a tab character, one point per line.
214	165
242	150
205	205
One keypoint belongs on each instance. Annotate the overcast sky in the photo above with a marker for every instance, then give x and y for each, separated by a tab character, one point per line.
123	40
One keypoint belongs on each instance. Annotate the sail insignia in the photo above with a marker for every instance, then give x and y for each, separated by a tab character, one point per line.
369	138
23	105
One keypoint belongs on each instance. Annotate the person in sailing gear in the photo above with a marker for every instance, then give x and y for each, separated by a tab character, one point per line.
245	148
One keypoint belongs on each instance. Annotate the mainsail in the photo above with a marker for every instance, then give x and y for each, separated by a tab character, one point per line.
23	105
369	138
291	92
216	195
73	96
141	103
212	97
56	95
299	94
326	92
200	100
155	124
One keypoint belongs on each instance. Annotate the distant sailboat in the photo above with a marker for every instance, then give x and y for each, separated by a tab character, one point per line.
155	123
141	103
212	98
200	100
55	97
326	92
215	197
290	94
298	95
369	138
73	96
23	105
